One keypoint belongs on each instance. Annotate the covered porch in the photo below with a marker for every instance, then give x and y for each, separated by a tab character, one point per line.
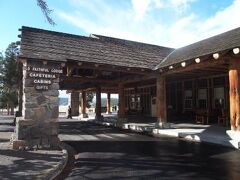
199	95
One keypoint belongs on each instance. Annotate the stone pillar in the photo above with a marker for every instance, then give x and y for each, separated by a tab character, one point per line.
234	94
83	105
161	102
75	103
38	125
108	104
98	104
121	99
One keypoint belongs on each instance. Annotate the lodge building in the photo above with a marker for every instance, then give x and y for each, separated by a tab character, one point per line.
196	83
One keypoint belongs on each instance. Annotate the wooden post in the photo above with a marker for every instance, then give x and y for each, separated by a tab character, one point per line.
194	97
121	99
75	103
161	100
98	103
83	105
108	103
234	90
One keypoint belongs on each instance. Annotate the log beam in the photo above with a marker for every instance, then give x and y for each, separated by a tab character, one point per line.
75	103
83	105
161	100
98	104
108	103
196	66
234	94
106	67
121	98
78	79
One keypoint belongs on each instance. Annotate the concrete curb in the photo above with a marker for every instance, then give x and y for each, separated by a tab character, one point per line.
189	136
69	163
53	173
195	137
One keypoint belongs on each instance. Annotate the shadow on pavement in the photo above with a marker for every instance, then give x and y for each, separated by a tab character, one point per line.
149	160
26	165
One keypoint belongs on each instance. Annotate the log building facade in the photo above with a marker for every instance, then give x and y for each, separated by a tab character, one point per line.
199	82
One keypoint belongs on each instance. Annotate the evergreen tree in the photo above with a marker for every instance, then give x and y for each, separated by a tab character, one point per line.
9	78
2	99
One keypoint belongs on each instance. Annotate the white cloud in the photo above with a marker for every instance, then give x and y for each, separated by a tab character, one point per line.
181	5
158	3
140	7
223	20
152	27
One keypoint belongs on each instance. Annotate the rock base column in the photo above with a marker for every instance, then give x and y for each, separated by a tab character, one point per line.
39	125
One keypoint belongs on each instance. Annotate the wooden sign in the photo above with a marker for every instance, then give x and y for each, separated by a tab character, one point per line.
42	76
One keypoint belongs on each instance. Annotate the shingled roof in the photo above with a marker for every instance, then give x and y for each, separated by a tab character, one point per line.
218	43
56	46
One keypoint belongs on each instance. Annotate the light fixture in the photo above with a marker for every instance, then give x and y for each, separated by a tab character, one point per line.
79	63
215	55
197	60
183	64
170	67
44	62
236	50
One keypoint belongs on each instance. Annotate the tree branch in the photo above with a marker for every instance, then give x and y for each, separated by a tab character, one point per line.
46	11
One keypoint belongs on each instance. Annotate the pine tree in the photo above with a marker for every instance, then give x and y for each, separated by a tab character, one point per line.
46	11
9	78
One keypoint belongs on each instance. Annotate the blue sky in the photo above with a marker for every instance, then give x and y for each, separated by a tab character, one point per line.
172	23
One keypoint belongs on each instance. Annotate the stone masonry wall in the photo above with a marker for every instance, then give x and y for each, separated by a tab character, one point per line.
39	124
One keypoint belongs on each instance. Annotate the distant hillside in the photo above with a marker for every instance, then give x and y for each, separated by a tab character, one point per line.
63	101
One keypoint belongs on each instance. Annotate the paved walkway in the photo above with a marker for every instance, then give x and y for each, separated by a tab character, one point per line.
189	131
17	164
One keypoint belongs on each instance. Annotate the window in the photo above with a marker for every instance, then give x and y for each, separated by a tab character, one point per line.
188	99
202	98
219	97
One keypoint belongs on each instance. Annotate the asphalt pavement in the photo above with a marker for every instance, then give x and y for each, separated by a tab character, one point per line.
21	164
107	153
6	123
